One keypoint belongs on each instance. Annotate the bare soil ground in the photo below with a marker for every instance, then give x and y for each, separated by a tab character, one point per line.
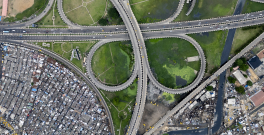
18	6
152	114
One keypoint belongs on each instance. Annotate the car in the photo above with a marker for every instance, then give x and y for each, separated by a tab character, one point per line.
13	30
24	31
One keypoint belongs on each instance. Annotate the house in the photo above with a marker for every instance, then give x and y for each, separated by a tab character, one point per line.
254	62
257	98
239	76
231	101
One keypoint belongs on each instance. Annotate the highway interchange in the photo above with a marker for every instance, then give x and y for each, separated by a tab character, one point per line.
133	31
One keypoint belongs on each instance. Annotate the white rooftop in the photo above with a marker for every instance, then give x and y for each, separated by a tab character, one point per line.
231	101
239	76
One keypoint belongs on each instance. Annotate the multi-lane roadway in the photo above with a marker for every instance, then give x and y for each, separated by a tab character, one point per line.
132	30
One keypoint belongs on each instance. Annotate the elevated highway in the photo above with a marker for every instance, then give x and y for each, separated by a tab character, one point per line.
214	22
204	84
260	1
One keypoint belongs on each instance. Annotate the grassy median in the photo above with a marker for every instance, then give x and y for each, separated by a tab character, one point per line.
205	9
64	49
47	21
113	62
251	6
212	44
147	11
167	58
86	12
245	35
121	104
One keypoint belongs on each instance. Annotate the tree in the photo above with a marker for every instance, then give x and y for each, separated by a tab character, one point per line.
168	97
245	76
231	79
240	90
112	12
209	88
249	83
244	67
103	21
238	62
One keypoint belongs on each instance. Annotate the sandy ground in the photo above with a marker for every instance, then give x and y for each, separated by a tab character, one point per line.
152	114
18	6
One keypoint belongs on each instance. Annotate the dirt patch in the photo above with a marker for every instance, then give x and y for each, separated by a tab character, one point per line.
152	113
253	76
18	6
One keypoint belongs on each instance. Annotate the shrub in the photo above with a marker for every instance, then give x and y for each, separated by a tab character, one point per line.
112	12
249	83
103	21
240	90
231	79
209	88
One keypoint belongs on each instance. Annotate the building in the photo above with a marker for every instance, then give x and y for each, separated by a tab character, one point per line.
231	101
239	76
4	8
254	62
257	98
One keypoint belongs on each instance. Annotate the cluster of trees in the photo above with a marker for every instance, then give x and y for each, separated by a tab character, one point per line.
112	14
240	90
231	79
209	88
242	63
249	83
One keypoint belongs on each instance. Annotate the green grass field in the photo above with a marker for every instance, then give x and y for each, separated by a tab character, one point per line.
205	9
37	7
64	49
111	63
121	104
167	60
47	19
147	11
212	44
251	6
244	36
168	97
86	12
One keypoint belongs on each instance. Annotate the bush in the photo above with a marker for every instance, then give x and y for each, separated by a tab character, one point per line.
238	62
231	79
245	76
209	88
240	90
242	63
103	21
112	12
249	83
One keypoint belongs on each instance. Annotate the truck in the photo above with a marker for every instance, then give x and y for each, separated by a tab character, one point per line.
5	31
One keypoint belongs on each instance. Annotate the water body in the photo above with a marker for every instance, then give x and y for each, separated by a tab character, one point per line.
180	82
224	59
219	103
